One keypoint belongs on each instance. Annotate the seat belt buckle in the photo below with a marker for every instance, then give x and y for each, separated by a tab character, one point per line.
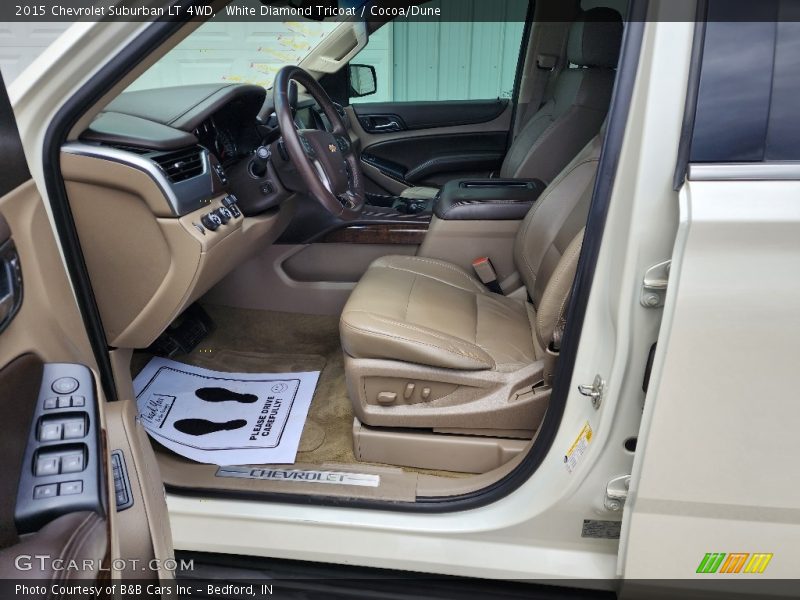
485	271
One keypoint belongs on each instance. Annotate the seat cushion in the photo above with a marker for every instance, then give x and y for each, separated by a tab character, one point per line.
434	313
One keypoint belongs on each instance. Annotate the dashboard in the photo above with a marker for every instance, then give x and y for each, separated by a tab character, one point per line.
216	122
165	202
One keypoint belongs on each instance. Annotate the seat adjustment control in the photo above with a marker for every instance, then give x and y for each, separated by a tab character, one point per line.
386	398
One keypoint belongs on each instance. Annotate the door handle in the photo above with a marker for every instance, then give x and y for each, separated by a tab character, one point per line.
381	123
10	283
390	126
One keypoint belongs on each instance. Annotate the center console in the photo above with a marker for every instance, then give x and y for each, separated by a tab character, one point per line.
487	199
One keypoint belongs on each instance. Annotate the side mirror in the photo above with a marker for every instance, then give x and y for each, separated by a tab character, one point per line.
362	80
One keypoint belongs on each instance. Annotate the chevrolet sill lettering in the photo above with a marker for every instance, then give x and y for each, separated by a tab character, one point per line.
308	476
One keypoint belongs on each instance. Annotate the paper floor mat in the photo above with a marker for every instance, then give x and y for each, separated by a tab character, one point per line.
224	418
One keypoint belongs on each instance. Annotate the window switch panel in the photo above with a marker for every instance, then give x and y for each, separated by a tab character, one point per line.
63	459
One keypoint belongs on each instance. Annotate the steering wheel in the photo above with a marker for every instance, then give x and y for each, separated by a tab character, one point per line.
325	161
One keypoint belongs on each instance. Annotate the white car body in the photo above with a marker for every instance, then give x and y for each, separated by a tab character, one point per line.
717	432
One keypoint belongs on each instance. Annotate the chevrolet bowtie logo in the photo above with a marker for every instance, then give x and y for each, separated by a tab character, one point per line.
332	147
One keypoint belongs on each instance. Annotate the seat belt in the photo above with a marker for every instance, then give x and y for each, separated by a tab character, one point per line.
553	349
485	271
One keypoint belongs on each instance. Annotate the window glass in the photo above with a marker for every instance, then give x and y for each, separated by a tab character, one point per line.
417	60
783	133
246	51
747	107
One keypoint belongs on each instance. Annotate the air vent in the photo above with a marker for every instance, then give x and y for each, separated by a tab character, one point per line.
182	164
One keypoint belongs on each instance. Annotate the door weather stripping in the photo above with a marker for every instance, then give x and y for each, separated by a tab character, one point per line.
594	391
617	493
654	285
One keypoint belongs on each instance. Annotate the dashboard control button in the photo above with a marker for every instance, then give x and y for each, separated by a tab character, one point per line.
72	463
64	402
65	385
78	401
211	221
223	178
70	488
46	464
50	403
224	214
229	202
45	491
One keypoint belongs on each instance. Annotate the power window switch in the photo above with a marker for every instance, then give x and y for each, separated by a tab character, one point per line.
70	488
50	403
50	432
64	401
74	429
72	463
45	491
46	465
78	401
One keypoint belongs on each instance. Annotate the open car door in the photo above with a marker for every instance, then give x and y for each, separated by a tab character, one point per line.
81	496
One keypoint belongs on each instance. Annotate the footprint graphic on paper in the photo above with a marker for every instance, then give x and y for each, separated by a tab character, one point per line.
220	394
198	427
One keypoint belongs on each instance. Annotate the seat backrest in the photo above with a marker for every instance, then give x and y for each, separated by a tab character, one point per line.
549	239
575	110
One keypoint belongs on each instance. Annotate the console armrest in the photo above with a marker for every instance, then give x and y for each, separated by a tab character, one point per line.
487	199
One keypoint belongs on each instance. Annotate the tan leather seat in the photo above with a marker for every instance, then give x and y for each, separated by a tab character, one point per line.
418	323
431	312
573	111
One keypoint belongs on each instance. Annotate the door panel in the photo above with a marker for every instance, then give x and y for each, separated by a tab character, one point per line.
432	143
19	387
57	496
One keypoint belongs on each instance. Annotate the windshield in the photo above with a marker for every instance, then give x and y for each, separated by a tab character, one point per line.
245	51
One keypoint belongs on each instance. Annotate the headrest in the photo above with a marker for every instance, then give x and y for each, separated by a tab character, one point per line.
595	38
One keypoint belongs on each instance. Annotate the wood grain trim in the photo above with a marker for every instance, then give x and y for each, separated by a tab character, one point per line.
378	233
